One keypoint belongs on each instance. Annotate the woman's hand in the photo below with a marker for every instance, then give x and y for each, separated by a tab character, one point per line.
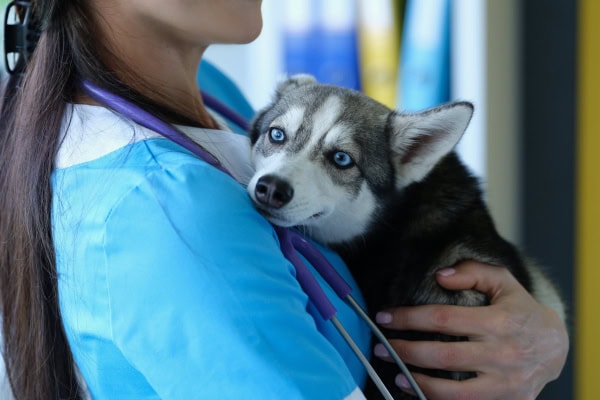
516	345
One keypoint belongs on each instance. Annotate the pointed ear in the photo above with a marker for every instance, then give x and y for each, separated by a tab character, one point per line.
294	82
421	140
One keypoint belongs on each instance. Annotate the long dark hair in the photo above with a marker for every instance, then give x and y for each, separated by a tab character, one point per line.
38	359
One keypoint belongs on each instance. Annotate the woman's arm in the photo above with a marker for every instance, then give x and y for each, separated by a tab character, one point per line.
516	345
203	305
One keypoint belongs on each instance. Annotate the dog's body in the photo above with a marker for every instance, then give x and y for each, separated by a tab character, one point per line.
383	188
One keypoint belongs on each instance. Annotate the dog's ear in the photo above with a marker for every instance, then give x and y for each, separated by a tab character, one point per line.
421	140
283	87
293	82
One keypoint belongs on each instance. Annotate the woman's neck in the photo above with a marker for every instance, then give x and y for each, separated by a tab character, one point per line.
170	79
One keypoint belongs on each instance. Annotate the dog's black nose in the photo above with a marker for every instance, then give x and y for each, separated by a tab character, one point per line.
273	191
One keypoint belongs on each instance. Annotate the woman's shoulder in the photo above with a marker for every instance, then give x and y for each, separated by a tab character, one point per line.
96	137
141	174
123	169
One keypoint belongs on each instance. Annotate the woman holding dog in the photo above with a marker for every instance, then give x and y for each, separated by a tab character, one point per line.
131	269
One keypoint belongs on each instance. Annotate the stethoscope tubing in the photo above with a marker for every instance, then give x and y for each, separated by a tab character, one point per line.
144	118
290	240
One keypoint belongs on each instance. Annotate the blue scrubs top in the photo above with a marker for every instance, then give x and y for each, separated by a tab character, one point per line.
172	286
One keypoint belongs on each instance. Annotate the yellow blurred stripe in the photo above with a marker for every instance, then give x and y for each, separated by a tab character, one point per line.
587	329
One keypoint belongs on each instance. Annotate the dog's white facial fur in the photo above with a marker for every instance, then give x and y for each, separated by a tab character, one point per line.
320	205
336	204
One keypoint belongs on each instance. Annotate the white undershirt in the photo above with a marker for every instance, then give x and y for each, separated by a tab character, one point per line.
89	132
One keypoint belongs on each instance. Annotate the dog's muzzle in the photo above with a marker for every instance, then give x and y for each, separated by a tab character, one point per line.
273	192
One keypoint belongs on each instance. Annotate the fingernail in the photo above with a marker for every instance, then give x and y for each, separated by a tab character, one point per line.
380	351
383	317
447	271
402	382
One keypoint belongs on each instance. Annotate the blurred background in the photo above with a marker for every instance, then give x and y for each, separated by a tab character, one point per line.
530	69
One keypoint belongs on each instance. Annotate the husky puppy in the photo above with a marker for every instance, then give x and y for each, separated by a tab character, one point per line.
386	190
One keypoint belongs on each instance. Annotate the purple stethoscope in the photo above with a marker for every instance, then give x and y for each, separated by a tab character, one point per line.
290	240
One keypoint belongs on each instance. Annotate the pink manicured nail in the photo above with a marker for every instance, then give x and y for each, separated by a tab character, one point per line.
383	317
380	351
402	382
447	271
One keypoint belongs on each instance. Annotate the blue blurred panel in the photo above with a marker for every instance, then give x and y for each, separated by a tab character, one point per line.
425	55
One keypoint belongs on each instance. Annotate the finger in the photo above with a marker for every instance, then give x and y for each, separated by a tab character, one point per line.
448	356
451	320
480	388
491	280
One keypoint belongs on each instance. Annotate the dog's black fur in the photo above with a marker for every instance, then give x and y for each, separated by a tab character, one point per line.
440	220
434	222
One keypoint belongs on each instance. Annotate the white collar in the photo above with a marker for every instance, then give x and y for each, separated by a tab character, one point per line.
89	132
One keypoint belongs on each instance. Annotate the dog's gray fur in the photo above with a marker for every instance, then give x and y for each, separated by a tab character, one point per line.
401	209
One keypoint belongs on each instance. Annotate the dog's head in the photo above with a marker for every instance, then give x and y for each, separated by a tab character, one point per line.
326	157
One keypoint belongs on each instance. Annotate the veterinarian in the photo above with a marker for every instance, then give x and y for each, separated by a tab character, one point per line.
128	262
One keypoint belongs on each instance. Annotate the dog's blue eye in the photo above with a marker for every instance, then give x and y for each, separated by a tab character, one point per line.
276	135
342	159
